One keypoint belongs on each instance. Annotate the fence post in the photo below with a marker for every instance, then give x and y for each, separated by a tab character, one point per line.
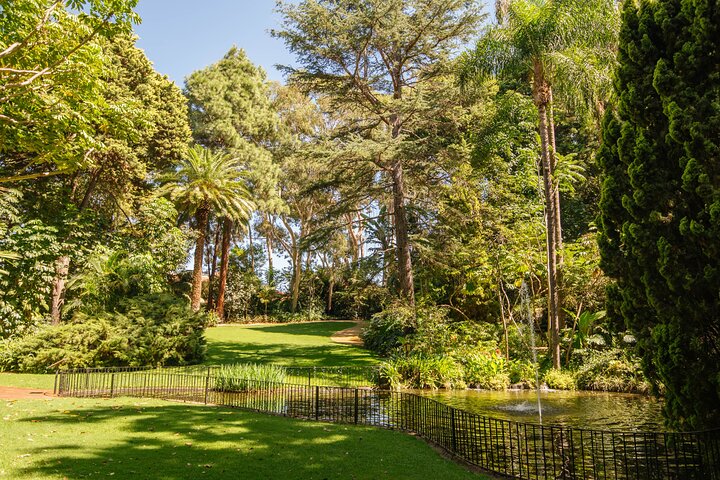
112	383
55	388
309	377
207	385
452	430
317	402
356	406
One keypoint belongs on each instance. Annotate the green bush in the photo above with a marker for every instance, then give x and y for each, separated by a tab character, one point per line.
487	371
522	371
612	370
148	330
559	379
386	329
244	377
418	371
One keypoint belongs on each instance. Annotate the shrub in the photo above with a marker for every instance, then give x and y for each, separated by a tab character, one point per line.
559	379
245	377
149	330
417	371
487	371
612	370
386	329
522	371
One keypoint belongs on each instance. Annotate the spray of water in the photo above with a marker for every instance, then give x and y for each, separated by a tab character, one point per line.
525	298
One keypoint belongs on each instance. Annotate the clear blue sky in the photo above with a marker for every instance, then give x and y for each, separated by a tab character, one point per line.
181	36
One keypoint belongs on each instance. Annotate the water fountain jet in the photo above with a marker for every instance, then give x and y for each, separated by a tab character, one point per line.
525	302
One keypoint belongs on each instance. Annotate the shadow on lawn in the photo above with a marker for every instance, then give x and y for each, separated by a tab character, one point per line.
184	442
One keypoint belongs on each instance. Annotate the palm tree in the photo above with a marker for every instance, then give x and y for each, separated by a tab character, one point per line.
566	49
206	182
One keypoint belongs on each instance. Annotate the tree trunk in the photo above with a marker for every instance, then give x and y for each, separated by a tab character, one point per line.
224	262
62	266
542	97
404	267
251	248
297	271
553	299
201	216
269	246
331	287
556	197
213	268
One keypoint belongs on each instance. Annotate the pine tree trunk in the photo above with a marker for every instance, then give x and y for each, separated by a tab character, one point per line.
201	217
224	262
269	246
404	267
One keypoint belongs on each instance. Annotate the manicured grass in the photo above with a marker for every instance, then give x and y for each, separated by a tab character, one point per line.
303	344
27	380
153	439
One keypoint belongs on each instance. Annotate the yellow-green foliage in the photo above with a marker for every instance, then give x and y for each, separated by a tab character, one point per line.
559	379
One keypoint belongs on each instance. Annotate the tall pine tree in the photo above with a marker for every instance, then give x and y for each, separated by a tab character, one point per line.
660	207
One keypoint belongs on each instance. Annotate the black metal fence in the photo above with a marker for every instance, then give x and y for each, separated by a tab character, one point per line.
520	450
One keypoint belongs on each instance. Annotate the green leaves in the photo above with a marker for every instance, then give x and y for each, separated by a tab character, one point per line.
209	180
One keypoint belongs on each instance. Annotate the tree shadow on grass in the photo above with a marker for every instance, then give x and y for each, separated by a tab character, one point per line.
174	442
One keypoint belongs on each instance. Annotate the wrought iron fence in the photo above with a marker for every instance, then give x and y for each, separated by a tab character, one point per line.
520	450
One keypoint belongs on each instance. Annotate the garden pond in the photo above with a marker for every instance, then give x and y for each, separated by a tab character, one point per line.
577	409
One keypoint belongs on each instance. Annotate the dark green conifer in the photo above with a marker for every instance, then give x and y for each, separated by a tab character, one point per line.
660	207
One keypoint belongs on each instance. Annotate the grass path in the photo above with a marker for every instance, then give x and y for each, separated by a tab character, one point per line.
152	439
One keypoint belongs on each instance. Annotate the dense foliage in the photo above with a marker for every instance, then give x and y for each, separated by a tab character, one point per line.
145	330
447	197
660	201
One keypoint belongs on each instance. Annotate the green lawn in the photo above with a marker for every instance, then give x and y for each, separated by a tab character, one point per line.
302	344
153	439
27	380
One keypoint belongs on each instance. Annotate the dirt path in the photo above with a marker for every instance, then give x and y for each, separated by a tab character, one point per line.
350	336
14	393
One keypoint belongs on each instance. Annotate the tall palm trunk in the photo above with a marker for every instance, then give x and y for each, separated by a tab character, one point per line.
213	268
556	197
541	97
201	217
224	261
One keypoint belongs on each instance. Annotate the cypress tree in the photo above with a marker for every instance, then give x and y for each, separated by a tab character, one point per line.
660	206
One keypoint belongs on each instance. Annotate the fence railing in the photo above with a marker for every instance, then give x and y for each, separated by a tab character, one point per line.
520	450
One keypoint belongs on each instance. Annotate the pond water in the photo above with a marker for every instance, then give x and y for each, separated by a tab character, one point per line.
589	410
